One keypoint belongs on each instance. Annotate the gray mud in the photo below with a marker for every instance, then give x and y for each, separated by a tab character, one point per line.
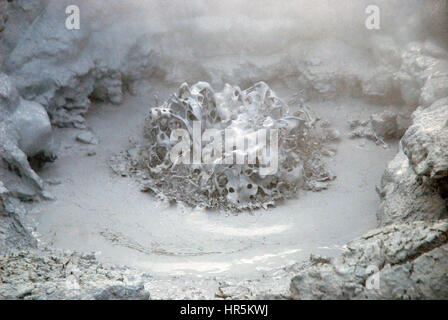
98	211
142	246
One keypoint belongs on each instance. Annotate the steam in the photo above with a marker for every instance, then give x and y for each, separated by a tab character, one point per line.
235	27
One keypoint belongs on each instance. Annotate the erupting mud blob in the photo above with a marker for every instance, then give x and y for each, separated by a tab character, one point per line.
218	184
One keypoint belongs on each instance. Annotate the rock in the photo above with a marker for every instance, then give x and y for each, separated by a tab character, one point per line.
364	129
379	85
423	76
25	132
323	75
63	69
46	195
3	15
385	124
24	291
9	96
53	182
15	17
380	127
387	52
436	86
426	141
66	275
32	128
13	234
413	186
403	261
87	137
407	197
108	87
410	78
435	50
228	291
120	292
119	164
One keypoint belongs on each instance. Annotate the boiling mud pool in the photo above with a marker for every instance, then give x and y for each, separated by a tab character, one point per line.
95	210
